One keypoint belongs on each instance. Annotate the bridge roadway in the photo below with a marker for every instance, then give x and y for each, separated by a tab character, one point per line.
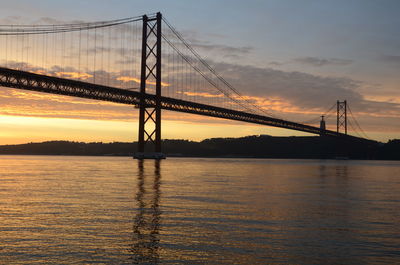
55	85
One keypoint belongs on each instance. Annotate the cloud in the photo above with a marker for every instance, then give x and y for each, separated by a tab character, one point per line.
275	63
199	44
290	95
73	75
302	91
54	21
393	59
275	90
19	20
316	61
126	79
203	94
227	50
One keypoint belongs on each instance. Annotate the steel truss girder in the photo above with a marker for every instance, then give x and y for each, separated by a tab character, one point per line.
61	86
55	85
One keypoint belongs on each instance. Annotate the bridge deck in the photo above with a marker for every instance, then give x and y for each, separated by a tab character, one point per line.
55	85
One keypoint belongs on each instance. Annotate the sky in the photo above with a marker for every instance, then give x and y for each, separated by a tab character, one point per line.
295	58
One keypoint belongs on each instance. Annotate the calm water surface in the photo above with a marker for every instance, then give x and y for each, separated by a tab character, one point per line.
115	210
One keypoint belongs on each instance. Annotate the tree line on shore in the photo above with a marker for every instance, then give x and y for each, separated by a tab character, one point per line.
260	146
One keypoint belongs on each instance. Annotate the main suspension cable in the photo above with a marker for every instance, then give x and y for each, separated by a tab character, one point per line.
43	29
356	123
233	89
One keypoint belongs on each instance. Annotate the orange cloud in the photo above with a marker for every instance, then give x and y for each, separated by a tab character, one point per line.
203	94
21	94
126	79
39	72
47	112
76	75
276	104
383	98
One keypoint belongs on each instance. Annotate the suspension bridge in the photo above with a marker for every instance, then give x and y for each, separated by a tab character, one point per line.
141	61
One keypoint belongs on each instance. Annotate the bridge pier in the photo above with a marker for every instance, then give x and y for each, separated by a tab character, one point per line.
150	113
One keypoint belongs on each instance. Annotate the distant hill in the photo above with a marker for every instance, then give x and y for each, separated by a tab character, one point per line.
251	146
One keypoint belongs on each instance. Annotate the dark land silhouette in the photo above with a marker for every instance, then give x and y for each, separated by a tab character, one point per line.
313	147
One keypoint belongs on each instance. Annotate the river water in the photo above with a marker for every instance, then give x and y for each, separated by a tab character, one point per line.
116	210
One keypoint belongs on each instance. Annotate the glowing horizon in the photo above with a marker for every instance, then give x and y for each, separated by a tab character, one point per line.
286	74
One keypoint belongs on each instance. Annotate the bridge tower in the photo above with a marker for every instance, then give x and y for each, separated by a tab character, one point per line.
341	117
322	125
150	110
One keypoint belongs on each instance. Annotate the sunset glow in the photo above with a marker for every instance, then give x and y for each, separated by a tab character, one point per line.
74	75
137	80
285	74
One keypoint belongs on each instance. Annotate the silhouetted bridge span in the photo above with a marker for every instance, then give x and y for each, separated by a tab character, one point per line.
54	85
192	85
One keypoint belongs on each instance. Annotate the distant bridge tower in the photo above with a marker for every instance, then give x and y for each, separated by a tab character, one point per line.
322	125
150	111
341	117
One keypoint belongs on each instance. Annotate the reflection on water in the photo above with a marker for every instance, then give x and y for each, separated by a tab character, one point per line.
330	215
341	171
146	227
108	210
